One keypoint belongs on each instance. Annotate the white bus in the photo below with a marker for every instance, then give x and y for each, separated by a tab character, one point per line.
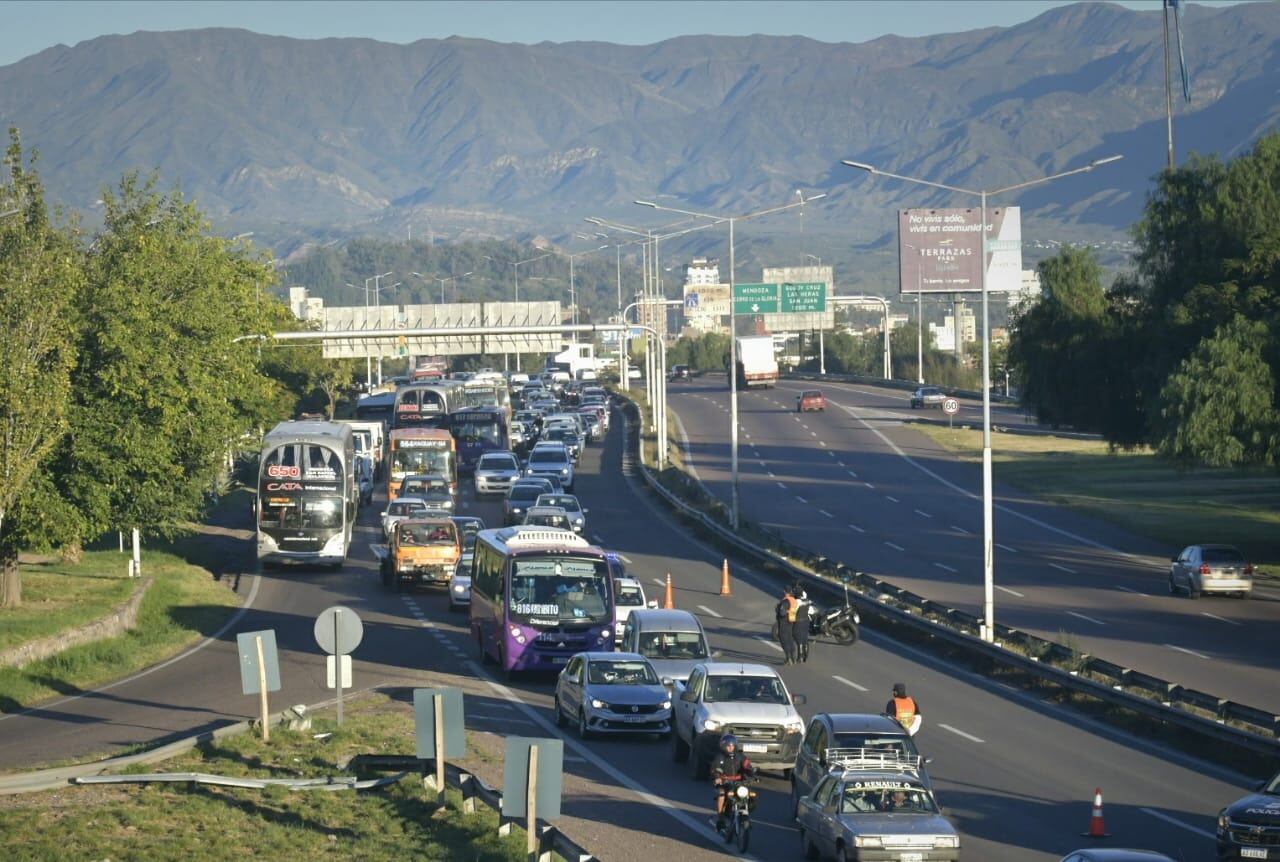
307	495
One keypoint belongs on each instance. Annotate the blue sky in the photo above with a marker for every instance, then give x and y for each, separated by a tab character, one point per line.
28	27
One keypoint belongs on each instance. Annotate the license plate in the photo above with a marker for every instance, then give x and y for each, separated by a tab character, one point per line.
635	718
912	857
559	660
755	748
1253	853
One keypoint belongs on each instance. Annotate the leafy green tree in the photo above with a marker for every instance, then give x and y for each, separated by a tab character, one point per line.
1218	408
40	286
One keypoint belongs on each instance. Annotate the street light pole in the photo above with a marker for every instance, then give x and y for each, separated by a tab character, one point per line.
988	540
919	321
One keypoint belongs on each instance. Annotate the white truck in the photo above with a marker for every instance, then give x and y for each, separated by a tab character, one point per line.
756	363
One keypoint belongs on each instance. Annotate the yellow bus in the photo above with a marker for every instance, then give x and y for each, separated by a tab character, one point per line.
421	451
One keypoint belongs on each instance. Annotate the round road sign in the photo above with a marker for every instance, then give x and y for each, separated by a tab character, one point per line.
951	407
338	630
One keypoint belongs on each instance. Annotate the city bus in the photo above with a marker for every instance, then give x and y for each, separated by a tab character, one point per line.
375	408
421	451
424	405
478	430
538	596
307	494
487	392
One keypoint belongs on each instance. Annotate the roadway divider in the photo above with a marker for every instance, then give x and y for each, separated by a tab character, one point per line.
1204	715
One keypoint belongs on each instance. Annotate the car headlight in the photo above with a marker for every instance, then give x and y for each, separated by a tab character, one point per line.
1222	822
596	703
459	588
742	792
710	724
564	471
946	841
666	704
794	724
867	841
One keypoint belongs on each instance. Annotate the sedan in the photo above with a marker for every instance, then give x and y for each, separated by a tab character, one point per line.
399	509
547	516
495	472
1115	854
927	396
612	692
572	508
519	499
460	584
1211	569
811	399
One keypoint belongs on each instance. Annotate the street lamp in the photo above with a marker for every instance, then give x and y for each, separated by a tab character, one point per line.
733	330
988	541
573	296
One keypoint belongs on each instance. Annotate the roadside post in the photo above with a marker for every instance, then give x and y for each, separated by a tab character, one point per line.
338	632
951	407
259	669
532	775
440	730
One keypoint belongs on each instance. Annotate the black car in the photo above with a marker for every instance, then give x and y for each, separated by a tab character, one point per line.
467	526
1249	828
679	372
519	499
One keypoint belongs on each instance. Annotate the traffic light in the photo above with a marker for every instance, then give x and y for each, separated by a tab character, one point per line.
403	349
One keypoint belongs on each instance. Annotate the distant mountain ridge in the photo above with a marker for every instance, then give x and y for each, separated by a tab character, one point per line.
495	139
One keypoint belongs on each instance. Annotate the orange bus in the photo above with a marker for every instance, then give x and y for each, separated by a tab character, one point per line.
420	451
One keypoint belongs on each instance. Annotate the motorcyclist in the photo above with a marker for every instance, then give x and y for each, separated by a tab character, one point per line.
729	766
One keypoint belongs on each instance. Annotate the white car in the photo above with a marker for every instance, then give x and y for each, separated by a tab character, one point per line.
495	472
399	509
460	584
628	595
551	459
570	505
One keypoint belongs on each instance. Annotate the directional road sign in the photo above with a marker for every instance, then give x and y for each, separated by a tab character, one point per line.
755	299
804	297
787	297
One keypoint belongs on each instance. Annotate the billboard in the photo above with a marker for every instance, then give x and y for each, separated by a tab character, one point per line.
939	250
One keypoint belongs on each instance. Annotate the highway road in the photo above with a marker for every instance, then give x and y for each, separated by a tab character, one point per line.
857	484
1017	775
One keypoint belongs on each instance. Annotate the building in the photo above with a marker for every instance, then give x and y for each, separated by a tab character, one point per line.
702	270
305	307
898	320
706	299
1028	291
944	336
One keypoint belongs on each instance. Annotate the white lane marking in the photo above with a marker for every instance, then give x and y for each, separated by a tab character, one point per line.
771	476
856	527
895	547
923	514
595	537
853	474
746	435
708	611
891	499
1131	590
833	455
768	642
813	433
822	443
959	529
1173	821
869	485
829	515
212	639
948	568
1009	591
838	463
1188	651
1218	618
782	486
968	736
1085	618
660	582
849	683
1006	548
801	500
1063	569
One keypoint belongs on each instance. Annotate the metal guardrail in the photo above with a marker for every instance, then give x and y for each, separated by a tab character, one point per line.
1168	702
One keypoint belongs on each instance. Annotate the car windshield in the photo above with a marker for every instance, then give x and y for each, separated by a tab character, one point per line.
428	534
812	395
930	391
672	645
877	742
621	673
1273	786
405	508
630	597
546	456
559	521
1221	555
868	797
747	689
498	462
546	590
524	494
563	501
463	569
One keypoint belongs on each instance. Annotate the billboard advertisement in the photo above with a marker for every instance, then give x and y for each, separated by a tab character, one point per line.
939	250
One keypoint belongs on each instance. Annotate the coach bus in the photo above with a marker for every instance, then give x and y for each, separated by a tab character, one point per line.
487	393
539	595
307	494
424	405
477	430
376	408
421	451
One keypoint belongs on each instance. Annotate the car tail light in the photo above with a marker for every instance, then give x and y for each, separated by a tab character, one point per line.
1248	568
1204	568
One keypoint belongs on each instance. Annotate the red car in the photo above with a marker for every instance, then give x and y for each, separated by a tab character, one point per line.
811	399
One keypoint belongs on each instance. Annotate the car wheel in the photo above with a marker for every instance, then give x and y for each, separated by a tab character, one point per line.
841	855
679	748
806	846
583	733
788	774
481	653
1173	585
697	769
560	722
1193	589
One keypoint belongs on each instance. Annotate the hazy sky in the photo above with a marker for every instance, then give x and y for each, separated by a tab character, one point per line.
28	27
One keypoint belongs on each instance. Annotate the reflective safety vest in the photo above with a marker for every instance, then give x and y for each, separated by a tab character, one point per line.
904	709
793	605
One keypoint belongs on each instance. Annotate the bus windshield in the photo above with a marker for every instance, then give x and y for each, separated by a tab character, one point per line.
430	462
487	431
302	513
550	590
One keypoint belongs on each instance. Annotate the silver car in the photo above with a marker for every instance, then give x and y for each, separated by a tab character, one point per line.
495	472
611	692
570	505
927	396
883	814
551	459
1211	569
460	585
399	509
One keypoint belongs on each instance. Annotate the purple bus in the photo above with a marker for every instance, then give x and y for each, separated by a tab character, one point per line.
538	596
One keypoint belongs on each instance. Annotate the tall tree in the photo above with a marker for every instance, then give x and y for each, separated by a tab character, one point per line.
40	286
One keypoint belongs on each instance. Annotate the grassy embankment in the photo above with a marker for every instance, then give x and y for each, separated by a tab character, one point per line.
1137	490
184	604
180	821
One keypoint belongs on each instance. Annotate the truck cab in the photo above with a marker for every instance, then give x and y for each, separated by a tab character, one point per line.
421	551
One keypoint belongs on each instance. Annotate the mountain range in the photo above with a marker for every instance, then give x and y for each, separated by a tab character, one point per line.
463	137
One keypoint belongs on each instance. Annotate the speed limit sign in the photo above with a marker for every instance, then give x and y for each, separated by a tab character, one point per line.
951	407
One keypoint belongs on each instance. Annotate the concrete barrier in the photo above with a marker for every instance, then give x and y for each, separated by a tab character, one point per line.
120	620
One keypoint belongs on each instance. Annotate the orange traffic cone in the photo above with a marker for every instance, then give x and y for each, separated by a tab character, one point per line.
724	579
1097	829
669	601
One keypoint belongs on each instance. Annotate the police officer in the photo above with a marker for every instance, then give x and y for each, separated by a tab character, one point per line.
800	625
785	612
902	707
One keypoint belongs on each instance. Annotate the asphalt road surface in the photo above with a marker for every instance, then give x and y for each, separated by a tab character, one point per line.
1016	775
856	484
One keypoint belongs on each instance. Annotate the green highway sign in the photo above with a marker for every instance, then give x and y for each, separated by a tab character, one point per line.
755	299
788	298
802	297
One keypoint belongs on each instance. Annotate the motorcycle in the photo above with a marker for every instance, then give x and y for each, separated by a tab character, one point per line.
740	800
838	623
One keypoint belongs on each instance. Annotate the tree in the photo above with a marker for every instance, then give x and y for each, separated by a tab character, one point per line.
40	284
1218	408
332	377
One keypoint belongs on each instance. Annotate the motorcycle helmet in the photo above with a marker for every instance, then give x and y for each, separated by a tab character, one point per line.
728	740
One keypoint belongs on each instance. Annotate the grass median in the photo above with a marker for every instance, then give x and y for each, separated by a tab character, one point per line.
184	604
182	821
1137	490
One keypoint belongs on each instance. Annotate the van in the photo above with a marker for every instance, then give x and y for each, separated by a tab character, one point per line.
672	640
586	375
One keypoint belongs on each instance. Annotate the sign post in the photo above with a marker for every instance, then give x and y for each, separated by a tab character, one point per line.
338	631
438	724
262	687
531	805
